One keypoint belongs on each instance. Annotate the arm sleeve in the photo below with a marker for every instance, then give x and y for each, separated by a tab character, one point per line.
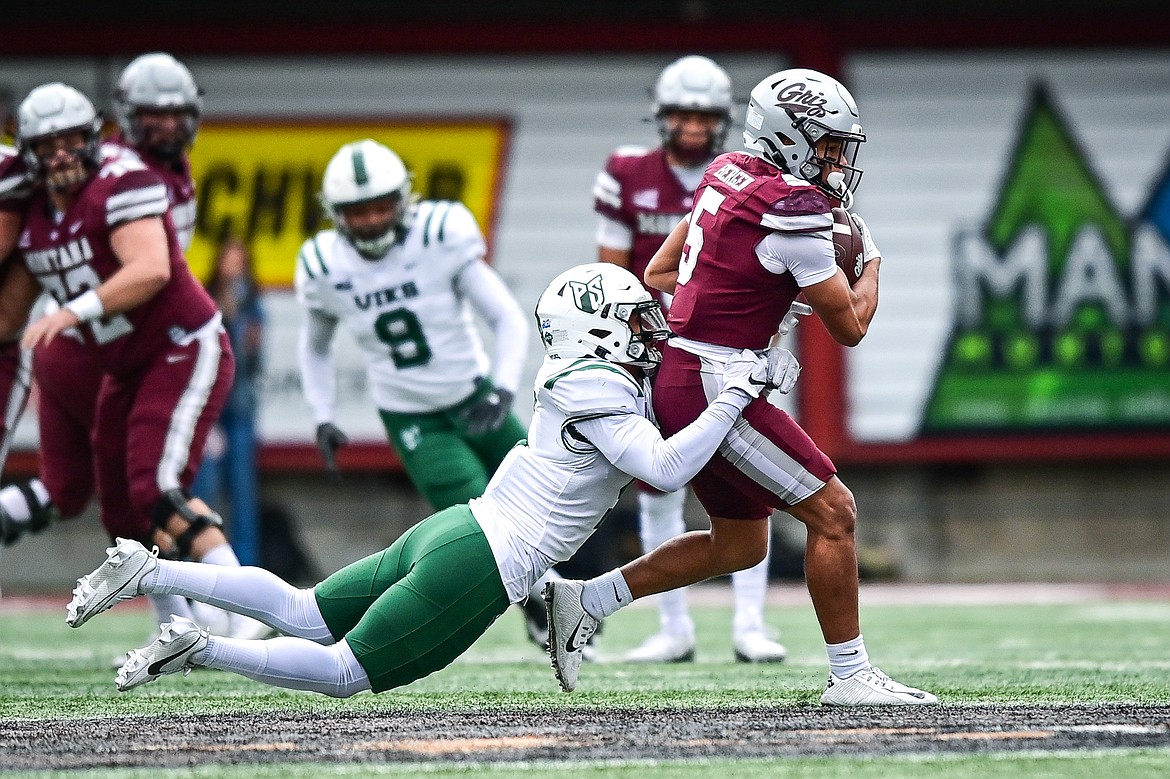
634	444
807	256
318	380
492	299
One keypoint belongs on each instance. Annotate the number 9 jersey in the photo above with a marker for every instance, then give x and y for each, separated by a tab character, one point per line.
406	310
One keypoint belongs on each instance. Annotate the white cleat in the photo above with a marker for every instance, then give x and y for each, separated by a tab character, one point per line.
169	653
569	629
116	579
663	648
755	647
871	687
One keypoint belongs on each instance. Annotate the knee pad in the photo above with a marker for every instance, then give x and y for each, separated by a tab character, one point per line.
176	502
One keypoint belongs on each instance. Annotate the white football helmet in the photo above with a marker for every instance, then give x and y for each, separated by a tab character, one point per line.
157	81
55	109
361	171
586	312
789	112
694	83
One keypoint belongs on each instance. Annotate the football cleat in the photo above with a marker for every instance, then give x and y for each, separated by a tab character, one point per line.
755	647
117	579
170	653
871	687
663	647
570	627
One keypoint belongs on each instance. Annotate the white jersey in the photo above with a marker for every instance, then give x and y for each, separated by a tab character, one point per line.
550	492
413	325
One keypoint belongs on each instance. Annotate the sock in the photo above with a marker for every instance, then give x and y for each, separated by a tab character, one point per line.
536	591
847	658
749	588
165	606
252	592
605	594
292	663
660	518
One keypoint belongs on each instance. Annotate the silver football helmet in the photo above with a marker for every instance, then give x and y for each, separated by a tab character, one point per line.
694	83
158	81
789	112
55	109
586	312
359	172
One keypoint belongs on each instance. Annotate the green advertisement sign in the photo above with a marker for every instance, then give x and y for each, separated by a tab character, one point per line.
1062	314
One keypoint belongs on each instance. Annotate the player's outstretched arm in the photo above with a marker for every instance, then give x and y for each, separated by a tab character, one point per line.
634	444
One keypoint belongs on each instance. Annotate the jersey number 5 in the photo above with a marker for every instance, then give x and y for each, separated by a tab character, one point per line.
708	203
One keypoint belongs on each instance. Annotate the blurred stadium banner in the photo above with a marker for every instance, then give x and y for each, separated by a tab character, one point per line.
1035	324
259	179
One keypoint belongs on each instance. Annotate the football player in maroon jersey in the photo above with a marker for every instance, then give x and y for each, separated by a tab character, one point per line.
158	106
760	234
14	363
99	239
640	196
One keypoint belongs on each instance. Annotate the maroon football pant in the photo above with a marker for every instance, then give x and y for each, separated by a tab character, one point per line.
68	379
766	461
151	426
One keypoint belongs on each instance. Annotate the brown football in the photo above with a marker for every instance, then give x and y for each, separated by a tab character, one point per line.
847	245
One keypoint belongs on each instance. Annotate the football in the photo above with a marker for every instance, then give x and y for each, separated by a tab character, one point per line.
847	245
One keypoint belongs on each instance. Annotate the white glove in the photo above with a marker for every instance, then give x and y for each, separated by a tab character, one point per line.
871	249
792	318
783	369
746	372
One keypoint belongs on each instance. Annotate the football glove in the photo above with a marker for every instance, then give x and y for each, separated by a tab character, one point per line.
871	249
489	412
746	372
792	318
783	369
329	440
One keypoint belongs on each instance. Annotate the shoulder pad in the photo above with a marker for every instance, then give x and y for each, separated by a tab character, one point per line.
588	387
446	223
631	150
316	255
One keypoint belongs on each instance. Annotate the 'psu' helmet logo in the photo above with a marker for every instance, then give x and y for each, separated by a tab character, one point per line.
589	297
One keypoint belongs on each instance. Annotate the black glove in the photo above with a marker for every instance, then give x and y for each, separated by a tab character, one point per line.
329	440
489	412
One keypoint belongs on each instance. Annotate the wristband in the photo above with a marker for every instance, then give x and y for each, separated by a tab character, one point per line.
87	307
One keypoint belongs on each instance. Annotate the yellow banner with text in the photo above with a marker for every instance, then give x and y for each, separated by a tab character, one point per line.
259	180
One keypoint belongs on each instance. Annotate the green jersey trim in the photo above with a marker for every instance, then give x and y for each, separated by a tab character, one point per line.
586	363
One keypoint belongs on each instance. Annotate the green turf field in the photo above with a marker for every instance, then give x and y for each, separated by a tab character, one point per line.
984	661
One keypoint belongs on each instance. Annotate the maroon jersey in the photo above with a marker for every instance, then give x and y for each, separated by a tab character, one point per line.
180	186
72	254
15	185
725	296
639	189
